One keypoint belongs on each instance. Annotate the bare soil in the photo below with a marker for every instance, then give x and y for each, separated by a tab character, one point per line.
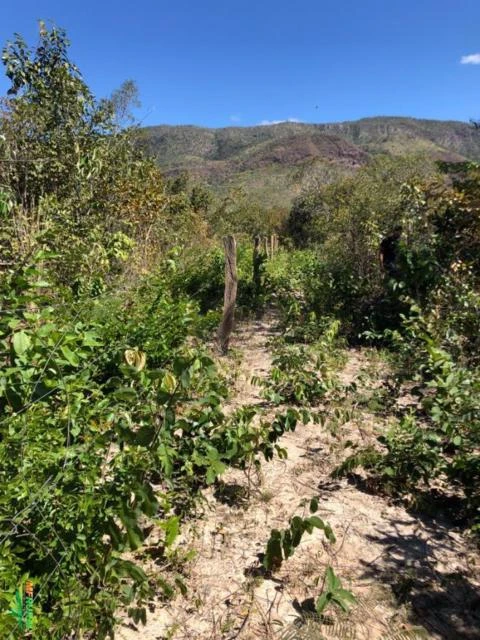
413	575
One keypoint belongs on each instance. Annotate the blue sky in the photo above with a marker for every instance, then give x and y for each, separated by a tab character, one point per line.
218	63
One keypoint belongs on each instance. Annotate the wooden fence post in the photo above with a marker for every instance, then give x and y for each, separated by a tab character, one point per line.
230	296
257	262
266	246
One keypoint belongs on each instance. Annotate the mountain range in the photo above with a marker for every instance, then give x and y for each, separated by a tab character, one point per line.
273	163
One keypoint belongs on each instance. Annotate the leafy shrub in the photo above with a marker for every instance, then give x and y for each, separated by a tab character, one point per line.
149	317
201	276
295	378
300	374
445	443
282	544
412	455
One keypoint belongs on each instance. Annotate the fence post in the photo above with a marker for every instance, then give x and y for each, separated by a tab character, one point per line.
230	296
266	246
257	262
276	242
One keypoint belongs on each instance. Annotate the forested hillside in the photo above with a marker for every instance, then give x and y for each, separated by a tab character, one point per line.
274	162
311	468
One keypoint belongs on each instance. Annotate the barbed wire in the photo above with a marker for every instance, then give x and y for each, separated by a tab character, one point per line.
14	160
49	484
52	353
24	509
35	309
77	372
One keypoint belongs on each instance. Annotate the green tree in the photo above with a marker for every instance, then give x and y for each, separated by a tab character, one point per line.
178	184
50	120
123	100
201	198
74	182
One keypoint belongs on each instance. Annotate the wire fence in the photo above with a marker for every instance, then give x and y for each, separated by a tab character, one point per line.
19	522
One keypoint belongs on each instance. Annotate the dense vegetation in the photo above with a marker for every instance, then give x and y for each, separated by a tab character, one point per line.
421	308
112	404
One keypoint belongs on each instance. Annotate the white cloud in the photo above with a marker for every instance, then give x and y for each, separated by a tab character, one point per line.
235	118
473	58
267	122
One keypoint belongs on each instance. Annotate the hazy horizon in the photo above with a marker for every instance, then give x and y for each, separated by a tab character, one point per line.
273	124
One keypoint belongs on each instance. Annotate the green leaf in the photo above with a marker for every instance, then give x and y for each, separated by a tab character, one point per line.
125	393
322	603
90	339
346	597
145	435
185	378
21	342
133	531
329	533
297	529
214	470
172	529
181	585
332	582
69	356
273	556
166	459
287	546
126	567
317	522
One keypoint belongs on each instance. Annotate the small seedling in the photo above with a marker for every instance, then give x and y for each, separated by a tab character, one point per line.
334	594
282	544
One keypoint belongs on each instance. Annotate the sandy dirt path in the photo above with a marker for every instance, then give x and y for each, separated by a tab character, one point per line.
406	571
